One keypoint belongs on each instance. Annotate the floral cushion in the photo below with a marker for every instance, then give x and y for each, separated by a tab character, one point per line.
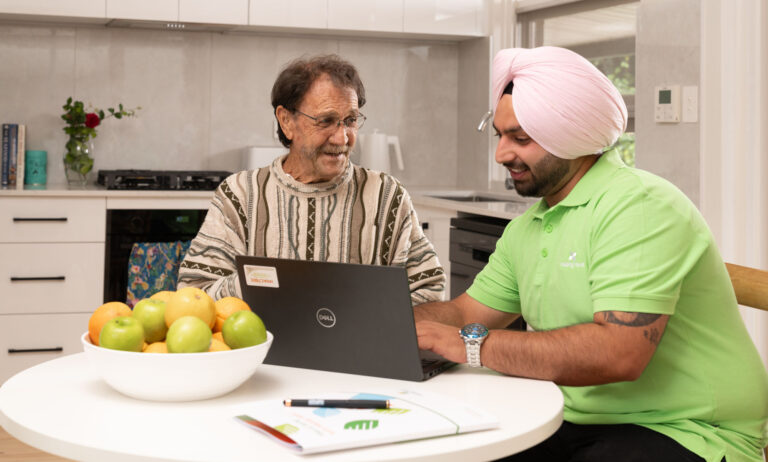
152	267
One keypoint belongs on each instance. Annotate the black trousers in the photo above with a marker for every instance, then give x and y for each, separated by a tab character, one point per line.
606	443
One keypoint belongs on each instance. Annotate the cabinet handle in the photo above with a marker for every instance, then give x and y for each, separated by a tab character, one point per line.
17	219
38	278
35	350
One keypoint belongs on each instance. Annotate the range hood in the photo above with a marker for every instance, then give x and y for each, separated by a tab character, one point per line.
170	25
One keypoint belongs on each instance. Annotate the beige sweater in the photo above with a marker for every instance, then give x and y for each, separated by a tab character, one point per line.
362	216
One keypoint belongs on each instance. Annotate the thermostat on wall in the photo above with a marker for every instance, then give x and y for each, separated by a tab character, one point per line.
667	107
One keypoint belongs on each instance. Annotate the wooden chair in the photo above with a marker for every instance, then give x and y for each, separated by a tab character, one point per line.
751	287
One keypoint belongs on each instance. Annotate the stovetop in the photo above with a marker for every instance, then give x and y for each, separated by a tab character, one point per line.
194	180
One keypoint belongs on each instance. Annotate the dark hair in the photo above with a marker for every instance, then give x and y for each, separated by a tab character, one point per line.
508	89
298	76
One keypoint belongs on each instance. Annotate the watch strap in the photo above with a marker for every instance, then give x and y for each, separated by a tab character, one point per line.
473	352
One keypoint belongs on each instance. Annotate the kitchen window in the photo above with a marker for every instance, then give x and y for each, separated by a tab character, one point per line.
603	31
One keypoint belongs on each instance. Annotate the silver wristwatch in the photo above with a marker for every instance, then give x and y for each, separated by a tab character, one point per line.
473	336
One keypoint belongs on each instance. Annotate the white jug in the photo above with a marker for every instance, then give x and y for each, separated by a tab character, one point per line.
254	157
374	151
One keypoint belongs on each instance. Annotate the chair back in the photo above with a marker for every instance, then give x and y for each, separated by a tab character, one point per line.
750	285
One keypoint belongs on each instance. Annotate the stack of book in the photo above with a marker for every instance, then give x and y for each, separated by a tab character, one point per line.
12	174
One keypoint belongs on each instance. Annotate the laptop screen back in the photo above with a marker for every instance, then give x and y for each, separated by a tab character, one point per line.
336	317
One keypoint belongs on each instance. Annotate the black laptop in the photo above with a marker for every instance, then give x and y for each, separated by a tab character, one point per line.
338	317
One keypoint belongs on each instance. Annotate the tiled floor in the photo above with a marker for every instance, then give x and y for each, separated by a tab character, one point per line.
13	450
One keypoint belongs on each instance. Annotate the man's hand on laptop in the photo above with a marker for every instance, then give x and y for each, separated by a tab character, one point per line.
441	339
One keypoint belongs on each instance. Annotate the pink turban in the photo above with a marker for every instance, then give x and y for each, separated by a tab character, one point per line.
560	99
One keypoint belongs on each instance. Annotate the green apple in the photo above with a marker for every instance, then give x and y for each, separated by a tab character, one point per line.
243	329
151	313
188	334
122	333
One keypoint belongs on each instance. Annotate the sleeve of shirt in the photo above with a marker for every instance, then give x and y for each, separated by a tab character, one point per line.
644	243
210	261
426	277
496	285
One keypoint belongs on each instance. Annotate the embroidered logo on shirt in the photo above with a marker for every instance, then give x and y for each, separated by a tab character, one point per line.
572	263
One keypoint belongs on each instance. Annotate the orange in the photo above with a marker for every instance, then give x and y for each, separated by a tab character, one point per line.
218	336
157	347
190	301
103	314
217	345
225	307
163	295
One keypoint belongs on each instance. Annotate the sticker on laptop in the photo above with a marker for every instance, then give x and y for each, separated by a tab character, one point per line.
261	276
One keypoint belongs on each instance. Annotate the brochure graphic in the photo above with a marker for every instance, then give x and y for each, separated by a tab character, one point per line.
411	416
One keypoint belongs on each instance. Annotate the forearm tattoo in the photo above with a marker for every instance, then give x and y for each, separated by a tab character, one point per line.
630	319
636	320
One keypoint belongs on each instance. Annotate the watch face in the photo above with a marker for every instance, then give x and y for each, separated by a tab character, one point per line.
474	330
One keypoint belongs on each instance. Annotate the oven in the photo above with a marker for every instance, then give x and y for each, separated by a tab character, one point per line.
126	226
472	241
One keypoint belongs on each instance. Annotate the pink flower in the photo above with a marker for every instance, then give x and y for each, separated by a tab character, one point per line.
92	120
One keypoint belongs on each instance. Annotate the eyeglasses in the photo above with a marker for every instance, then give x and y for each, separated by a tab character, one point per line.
325	122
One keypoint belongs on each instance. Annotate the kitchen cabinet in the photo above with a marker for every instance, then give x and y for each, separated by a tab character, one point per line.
148	10
232	12
289	13
60	8
51	276
436	223
372	15
454	17
218	12
446	19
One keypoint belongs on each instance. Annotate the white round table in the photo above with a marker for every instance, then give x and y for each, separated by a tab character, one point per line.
63	408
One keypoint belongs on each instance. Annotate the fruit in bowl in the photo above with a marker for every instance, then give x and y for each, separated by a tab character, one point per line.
148	354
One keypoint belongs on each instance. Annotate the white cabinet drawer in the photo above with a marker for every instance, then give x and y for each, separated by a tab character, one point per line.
26	219
74	277
55	335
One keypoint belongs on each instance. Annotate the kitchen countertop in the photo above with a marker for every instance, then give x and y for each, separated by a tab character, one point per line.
505	204
118	199
62	190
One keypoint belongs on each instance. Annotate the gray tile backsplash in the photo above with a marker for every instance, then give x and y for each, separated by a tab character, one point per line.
205	96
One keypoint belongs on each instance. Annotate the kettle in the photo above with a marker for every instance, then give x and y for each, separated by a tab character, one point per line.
374	151
254	157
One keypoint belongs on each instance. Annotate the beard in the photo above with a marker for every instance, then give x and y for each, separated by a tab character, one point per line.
546	176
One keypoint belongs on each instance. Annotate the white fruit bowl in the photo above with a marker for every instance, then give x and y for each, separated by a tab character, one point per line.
175	376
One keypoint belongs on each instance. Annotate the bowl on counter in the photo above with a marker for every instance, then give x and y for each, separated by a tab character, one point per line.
175	376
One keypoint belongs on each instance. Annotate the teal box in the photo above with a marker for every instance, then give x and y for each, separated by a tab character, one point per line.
35	167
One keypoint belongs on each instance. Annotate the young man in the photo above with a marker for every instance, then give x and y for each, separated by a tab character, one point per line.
634	314
313	204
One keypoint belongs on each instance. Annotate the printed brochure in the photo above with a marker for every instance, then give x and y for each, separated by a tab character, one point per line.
411	416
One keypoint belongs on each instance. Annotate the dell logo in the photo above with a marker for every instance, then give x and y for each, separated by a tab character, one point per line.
325	317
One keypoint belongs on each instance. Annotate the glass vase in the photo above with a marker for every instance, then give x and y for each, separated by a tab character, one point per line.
78	161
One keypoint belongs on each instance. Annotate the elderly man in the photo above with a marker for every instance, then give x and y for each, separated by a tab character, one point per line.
634	314
313	203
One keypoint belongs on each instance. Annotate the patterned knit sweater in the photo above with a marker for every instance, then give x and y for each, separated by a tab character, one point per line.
362	216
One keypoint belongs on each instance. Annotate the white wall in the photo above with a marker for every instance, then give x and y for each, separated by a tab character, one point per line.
734	137
206	95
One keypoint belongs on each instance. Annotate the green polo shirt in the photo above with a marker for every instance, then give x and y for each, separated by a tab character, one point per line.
627	240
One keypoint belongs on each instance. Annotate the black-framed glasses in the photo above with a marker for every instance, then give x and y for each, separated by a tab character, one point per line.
332	121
